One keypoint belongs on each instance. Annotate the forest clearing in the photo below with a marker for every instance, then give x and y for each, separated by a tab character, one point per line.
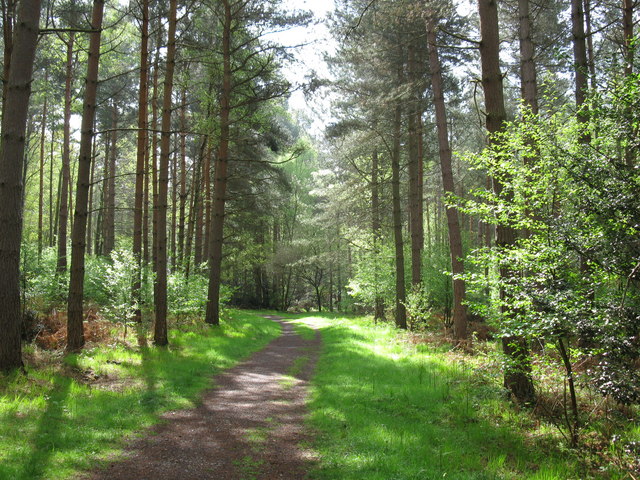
357	239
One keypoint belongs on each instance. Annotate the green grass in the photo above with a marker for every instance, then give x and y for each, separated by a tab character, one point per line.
53	426
383	409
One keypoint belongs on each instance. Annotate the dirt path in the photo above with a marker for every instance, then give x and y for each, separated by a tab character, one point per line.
250	426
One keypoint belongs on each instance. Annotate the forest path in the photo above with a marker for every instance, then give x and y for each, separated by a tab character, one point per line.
249	426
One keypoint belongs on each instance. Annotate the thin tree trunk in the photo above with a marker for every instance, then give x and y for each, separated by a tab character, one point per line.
415	200
401	296
52	226
43	131
141	155
90	214
160	327
377	232
63	213
589	39
110	207
220	176
455	235
183	183
517	374
75	331
154	155
16	101
206	178
174	203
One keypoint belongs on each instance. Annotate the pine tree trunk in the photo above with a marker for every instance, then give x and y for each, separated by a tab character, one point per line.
401	296
529	82
16	101
141	155
43	131
415	199
63	213
110	206
160	327
220	176
455	235
517	374
183	186
8	20
377	231
75	330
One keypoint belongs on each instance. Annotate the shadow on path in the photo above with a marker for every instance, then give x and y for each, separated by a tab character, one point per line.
249	426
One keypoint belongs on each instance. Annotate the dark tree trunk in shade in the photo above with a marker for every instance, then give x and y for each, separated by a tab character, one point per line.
18	93
43	131
109	223
75	331
141	155
416	212
160	288
63	212
220	176
455	235
517	373
183	183
401	296
376	228
8	23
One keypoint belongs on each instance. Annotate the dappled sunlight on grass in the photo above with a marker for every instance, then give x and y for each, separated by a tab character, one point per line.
55	422
384	410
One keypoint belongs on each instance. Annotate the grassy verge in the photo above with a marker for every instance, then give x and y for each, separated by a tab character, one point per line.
64	416
385	409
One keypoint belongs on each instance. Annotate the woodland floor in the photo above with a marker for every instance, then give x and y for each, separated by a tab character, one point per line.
249	426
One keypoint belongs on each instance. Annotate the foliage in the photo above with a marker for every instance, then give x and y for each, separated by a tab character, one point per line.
573	275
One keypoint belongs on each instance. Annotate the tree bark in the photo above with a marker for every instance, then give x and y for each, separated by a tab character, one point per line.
12	148
160	327
141	155
220	176
415	199
401	296
109	218
75	331
43	131
376	230
455	236
517	374
63	213
529	82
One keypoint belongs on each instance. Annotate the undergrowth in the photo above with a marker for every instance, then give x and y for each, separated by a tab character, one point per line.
67	413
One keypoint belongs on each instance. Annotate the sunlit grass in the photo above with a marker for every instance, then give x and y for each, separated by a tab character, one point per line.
384	409
61	419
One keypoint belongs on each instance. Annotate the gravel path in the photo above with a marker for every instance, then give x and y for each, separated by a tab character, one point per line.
250	426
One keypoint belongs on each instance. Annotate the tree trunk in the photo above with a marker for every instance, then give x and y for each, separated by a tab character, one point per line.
160	290
220	176
18	93
377	231
141	155
63	213
529	82
455	236
415	199
401	296
183	188
110	196
90	215
43	131
75	331
517	374
8	14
